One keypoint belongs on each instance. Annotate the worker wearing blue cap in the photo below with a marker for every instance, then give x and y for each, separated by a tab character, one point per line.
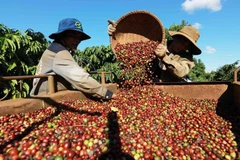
57	60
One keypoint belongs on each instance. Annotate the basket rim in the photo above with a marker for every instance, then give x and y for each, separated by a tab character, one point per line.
137	12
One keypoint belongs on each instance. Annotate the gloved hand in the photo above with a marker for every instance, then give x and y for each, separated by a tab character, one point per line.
111	27
161	50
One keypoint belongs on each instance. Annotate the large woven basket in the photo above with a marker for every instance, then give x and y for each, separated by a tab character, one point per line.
136	26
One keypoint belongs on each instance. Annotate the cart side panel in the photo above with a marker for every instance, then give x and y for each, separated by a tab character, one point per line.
217	91
236	95
24	105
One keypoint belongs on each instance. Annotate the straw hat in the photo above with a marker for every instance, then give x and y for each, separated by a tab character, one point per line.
136	26
192	35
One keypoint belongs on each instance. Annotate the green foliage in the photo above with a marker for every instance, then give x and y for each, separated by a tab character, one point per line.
224	73
198	72
111	67
19	55
101	59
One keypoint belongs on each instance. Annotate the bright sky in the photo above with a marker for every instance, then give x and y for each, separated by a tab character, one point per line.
217	20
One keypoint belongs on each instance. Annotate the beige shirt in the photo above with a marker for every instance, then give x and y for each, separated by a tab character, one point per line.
176	67
57	60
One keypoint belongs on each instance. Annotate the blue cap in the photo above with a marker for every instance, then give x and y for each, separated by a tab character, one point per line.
70	24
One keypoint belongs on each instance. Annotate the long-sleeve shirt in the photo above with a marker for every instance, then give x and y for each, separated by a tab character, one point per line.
174	67
57	60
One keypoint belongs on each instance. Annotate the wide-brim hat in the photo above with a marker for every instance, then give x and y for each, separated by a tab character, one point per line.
192	35
70	24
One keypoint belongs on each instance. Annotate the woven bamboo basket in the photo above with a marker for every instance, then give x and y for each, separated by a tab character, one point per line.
136	26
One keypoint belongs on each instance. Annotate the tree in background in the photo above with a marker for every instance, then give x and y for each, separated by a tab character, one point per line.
19	54
35	53
224	73
100	59
198	74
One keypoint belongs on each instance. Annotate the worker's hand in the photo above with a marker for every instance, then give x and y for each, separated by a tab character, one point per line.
111	27
114	96
161	50
107	98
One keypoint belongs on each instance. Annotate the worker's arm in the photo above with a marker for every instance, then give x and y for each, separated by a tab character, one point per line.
111	27
178	66
65	66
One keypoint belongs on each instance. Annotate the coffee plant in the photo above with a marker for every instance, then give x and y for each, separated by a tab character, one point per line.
19	55
100	59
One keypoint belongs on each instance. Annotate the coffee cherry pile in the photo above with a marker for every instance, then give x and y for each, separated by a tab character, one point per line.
136	58
142	123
